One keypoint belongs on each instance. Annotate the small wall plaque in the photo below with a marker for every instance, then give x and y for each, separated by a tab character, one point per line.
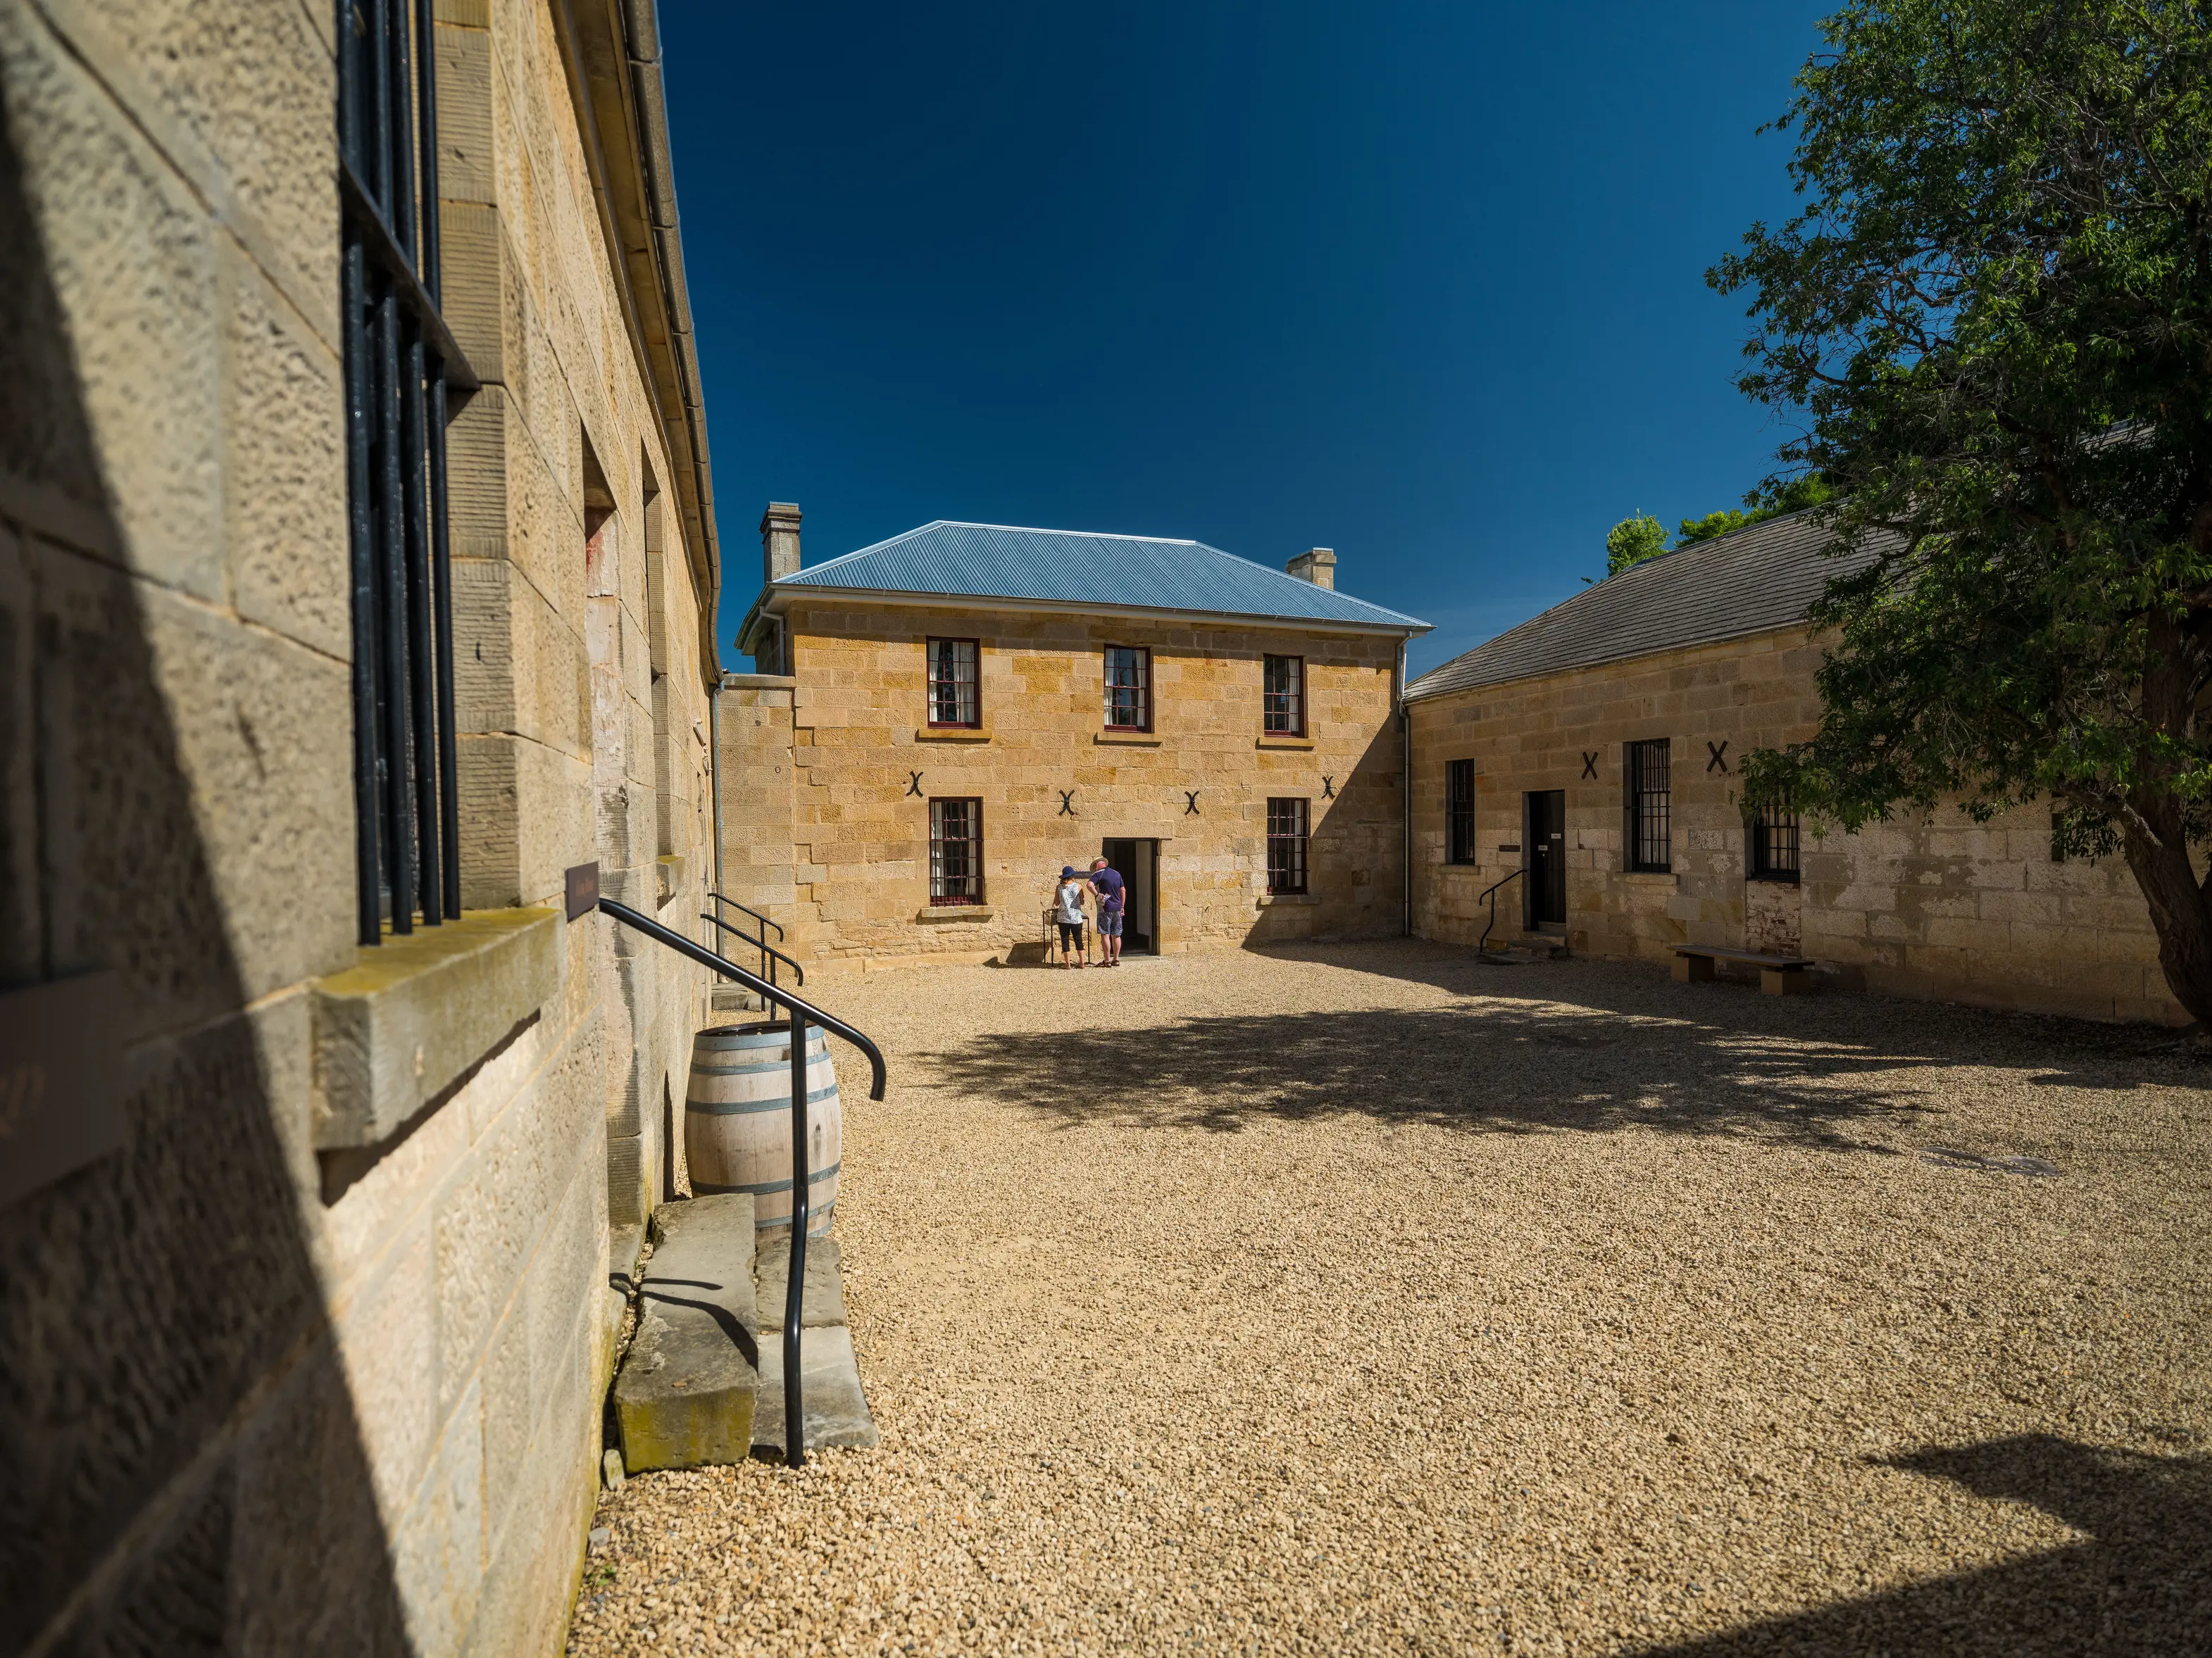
583	889
61	1079
1511	848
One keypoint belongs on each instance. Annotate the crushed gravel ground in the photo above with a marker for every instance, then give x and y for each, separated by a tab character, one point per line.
1369	1299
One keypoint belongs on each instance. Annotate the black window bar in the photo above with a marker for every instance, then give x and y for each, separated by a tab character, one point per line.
1774	843
1649	800
1287	837
401	364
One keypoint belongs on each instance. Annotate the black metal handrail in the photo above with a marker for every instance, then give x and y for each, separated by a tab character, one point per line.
769	954
754	914
801	1013
1491	893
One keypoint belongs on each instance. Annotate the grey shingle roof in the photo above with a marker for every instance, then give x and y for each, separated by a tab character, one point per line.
1766	576
1147	573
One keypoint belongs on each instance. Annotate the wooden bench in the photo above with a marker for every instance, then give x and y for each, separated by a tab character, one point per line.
1778	975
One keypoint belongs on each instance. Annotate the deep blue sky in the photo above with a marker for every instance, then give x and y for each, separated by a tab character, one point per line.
1420	282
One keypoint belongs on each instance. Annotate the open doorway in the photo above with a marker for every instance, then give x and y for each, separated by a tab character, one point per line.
1138	863
1543	833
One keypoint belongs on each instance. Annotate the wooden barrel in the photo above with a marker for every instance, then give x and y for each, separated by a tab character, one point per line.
737	1121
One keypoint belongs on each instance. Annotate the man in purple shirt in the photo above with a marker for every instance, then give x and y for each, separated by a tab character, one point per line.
1107	884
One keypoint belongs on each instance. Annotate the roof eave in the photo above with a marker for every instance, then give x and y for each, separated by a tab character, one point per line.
1415	695
776	599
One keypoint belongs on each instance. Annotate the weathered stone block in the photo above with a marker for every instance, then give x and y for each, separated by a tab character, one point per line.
685	1396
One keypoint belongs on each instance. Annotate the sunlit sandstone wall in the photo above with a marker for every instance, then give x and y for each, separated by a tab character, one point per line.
858	828
1951	910
312	1364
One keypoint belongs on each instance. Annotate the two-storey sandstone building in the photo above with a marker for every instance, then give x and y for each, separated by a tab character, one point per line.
356	574
960	712
1589	759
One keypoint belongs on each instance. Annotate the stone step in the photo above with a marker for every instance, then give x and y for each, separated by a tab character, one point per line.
733	999
825	1280
689	1384
836	1408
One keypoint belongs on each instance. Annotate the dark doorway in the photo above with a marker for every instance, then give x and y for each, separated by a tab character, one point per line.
1138	863
1545	837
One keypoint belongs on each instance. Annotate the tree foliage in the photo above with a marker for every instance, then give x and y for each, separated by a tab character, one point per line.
1632	541
1992	324
1797	496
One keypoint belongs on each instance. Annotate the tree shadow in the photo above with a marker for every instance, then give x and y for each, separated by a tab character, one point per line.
1571	1045
2143	1584
1496	1066
186	1471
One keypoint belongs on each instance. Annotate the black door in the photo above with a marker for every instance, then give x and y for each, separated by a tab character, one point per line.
1547	840
1138	863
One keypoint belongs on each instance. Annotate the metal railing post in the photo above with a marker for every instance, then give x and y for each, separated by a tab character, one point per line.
794	1298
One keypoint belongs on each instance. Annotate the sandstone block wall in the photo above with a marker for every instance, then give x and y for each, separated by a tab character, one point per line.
857	823
1949	909
268	1393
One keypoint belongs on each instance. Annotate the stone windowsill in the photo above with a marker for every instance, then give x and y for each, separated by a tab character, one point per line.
1283	743
1267	898
1139	739
416	1014
1650	877
951	733
954	913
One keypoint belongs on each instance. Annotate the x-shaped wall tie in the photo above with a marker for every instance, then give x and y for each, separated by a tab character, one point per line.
1067	803
1589	762
1190	803
914	787
1328	788
1719	761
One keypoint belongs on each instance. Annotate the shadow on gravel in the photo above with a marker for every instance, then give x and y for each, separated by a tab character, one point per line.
2142	1584
1576	1046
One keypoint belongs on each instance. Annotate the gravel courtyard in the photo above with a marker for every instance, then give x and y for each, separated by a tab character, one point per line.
1369	1299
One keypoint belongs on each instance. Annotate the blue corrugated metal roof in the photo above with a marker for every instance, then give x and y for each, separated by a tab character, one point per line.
991	560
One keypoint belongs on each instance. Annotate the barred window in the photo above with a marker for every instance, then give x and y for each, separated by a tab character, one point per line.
1459	810
1286	845
955	698
1128	688
1283	695
1774	844
1647	832
401	364
956	851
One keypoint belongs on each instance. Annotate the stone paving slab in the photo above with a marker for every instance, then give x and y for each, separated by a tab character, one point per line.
825	1281
836	1409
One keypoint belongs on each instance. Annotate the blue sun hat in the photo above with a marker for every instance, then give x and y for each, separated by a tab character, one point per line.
1065	871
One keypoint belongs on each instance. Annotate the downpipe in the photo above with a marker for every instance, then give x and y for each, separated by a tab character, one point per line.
1406	797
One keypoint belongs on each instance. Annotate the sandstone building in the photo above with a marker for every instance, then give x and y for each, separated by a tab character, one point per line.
1594	748
356	579
961	710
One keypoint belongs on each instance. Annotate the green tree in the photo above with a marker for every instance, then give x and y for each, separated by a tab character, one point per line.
1633	540
1992	322
1793	496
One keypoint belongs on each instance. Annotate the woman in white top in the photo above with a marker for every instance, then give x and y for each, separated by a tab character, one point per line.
1067	910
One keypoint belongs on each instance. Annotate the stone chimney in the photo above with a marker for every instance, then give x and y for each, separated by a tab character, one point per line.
778	534
1317	565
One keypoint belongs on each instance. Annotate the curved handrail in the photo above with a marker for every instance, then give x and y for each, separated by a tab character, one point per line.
1491	893
754	914
766	949
794	1291
753	981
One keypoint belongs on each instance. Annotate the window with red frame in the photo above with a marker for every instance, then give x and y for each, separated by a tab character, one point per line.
956	851
1129	689
1283	695
955	696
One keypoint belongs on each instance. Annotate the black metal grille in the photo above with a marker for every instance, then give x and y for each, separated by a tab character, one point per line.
1283	695
1650	806
1774	843
955	698
1459	810
1286	845
400	362
956	851
1128	688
